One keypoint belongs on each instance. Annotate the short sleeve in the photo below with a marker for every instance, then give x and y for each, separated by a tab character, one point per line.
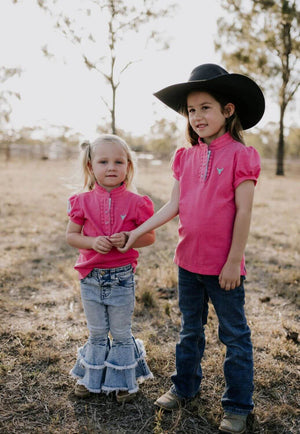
145	210
75	211
247	166
177	163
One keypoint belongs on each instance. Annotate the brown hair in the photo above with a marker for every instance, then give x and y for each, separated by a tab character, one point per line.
87	150
233	123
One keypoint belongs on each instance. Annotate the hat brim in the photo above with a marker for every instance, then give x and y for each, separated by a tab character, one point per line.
243	92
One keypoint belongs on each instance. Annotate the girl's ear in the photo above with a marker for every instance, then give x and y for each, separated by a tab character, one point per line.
229	109
90	168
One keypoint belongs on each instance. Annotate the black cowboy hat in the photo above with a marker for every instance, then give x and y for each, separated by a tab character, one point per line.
243	92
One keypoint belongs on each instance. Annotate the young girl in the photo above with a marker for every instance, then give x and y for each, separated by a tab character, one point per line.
99	220
213	193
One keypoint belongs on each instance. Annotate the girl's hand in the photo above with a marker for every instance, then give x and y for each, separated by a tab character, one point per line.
102	245
118	240
229	277
131	238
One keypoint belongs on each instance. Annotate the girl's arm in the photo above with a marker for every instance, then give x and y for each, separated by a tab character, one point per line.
75	238
230	275
120	239
144	240
166	213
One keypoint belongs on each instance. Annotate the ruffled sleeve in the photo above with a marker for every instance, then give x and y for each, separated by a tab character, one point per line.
145	210
247	165
177	163
75	211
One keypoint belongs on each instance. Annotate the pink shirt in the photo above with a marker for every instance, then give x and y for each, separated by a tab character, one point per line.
208	177
105	213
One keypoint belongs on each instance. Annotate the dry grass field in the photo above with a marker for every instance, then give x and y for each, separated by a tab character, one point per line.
42	321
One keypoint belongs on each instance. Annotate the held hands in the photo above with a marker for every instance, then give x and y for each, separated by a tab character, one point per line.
229	277
118	240
103	244
131	238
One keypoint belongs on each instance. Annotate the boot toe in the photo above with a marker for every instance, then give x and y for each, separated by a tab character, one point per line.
233	423
168	401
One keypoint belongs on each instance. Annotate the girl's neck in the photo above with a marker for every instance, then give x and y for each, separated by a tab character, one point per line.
210	141
109	190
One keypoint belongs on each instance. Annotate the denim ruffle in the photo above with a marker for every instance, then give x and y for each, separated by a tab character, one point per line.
112	367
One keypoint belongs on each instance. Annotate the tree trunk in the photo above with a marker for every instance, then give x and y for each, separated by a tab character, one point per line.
280	148
113	112
7	151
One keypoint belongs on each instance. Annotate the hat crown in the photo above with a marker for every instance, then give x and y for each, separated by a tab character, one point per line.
207	71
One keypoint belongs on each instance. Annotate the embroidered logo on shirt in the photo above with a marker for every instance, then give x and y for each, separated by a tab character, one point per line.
123	216
220	170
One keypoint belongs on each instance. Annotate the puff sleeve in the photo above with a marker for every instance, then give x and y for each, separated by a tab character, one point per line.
145	210
176	165
75	211
247	166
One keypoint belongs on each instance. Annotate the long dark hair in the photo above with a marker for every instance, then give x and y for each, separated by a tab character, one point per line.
233	123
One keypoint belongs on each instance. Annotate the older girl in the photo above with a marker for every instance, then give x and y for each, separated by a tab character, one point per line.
213	194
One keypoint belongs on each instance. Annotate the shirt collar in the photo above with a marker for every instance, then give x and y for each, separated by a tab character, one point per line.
219	142
114	192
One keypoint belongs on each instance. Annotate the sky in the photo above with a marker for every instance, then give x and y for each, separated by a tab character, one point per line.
62	91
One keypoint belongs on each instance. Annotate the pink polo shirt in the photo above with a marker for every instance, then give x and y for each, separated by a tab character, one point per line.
105	213
208	177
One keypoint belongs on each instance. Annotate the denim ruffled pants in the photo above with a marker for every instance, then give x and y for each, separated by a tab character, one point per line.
116	362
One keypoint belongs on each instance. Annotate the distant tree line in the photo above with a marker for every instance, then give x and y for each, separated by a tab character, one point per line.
162	141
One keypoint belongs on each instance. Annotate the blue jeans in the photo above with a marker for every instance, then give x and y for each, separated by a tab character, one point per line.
194	292
116	362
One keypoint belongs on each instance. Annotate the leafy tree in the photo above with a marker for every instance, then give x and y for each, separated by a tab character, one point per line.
264	140
6	95
293	142
165	137
103	32
162	141
261	38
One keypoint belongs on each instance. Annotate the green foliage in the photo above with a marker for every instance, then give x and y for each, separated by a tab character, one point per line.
255	37
164	139
6	96
261	39
265	140
293	142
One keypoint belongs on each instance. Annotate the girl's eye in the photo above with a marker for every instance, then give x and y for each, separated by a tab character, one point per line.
120	162
191	110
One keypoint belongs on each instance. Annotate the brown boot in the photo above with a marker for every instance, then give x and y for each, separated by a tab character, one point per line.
233	423
81	391
125	396
169	401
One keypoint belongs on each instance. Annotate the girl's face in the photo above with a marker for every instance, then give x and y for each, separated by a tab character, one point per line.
109	165
206	116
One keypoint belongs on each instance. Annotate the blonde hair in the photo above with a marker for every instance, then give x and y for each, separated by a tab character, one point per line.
87	150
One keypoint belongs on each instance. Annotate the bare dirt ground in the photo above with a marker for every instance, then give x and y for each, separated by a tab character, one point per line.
42	321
